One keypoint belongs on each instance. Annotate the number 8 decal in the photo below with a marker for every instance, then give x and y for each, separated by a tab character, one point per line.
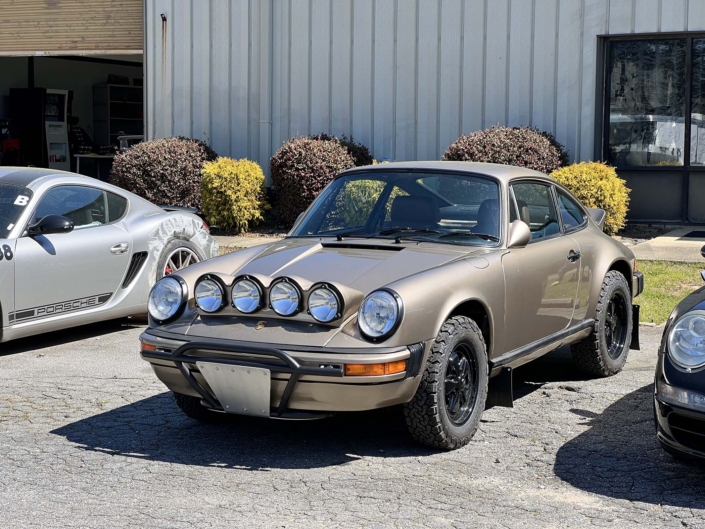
7	252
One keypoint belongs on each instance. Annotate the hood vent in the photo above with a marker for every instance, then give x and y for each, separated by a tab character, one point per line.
363	246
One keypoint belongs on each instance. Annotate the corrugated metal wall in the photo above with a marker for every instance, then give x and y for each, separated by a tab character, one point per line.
405	77
56	27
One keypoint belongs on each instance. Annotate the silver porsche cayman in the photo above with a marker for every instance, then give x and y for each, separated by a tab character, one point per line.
75	250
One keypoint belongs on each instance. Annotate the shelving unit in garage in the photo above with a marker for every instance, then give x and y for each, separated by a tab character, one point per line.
118	110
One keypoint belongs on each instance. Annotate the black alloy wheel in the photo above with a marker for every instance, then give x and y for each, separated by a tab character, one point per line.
616	325
460	385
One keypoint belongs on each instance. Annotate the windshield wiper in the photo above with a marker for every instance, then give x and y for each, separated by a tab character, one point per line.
485	236
390	231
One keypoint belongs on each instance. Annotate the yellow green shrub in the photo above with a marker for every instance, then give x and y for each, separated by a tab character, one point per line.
233	193
597	185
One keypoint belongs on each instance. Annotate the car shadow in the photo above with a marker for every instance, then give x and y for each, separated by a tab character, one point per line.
64	336
557	366
155	429
619	457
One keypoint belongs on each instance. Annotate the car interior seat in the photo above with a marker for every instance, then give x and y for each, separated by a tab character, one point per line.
488	217
415	212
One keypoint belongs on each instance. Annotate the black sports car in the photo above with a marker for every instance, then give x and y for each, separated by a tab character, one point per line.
679	386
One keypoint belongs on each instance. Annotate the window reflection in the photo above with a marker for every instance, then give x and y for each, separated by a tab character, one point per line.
647	103
697	112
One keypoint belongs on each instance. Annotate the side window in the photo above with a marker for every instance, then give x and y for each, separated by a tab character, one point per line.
117	206
572	215
85	206
536	208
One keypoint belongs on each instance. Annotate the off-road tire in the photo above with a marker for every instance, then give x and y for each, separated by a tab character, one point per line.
590	355
192	408
426	414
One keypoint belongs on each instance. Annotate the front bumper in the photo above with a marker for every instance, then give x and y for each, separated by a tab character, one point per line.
303	383
680	427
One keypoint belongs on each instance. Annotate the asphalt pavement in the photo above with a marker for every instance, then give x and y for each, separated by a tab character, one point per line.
90	438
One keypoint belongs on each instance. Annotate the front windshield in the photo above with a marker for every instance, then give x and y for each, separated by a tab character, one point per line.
13	201
438	207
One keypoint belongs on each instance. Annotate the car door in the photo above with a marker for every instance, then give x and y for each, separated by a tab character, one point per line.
542	278
76	271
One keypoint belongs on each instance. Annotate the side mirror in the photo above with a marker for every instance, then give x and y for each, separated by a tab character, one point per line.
519	234
598	215
51	224
702	251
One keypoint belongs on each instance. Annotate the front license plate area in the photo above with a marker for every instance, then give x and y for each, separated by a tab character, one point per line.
240	390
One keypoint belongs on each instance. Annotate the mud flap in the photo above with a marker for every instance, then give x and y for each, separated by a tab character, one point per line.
635	328
501	391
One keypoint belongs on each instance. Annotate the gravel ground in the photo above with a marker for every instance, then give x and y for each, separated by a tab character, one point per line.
89	438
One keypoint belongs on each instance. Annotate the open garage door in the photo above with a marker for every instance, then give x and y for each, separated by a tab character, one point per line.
70	27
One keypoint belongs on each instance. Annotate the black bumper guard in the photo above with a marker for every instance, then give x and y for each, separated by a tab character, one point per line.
296	370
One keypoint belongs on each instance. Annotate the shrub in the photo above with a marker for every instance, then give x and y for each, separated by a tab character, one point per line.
165	171
233	193
360	153
597	185
301	168
520	146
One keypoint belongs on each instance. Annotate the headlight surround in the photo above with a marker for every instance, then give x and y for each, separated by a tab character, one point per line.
324	304
167	299
380	314
209	294
686	341
285	298
247	295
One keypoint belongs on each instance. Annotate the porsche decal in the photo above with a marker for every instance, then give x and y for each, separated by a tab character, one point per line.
62	307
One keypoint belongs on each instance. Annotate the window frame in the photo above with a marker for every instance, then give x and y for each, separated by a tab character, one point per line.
552	192
602	106
38	200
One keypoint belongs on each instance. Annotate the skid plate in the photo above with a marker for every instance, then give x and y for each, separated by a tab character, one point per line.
240	390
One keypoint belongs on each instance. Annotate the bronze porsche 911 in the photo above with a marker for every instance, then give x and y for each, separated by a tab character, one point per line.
417	284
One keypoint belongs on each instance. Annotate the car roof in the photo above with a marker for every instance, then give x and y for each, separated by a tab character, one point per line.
25	176
501	172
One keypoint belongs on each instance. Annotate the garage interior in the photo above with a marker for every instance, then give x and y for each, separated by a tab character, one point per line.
71	87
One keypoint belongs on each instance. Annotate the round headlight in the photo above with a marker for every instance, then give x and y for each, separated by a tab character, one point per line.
686	342
323	304
378	314
209	295
284	298
247	296
165	299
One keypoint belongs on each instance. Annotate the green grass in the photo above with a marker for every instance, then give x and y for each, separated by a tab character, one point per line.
665	284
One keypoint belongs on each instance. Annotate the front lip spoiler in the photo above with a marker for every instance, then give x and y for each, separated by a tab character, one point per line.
291	366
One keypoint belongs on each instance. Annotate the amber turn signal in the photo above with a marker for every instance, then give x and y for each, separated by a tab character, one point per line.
148	347
371	370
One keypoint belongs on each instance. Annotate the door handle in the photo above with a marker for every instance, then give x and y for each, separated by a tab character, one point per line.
119	248
573	256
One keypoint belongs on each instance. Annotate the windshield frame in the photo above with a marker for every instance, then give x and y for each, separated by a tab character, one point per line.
361	171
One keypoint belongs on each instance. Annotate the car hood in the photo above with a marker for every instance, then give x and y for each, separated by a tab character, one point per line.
362	265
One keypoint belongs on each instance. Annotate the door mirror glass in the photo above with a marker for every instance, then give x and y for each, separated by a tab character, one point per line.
51	224
519	234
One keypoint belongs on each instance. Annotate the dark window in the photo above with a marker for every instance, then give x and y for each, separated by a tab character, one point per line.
647	102
536	208
572	215
697	111
117	206
85	206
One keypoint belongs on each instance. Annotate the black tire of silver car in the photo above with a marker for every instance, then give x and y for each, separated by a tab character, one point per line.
604	352
447	407
176	255
192	407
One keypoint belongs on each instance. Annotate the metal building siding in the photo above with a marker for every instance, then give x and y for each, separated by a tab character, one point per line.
47	27
405	77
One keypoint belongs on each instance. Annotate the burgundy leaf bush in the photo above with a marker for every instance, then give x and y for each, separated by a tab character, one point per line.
360	153
165	171
300	169
520	146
